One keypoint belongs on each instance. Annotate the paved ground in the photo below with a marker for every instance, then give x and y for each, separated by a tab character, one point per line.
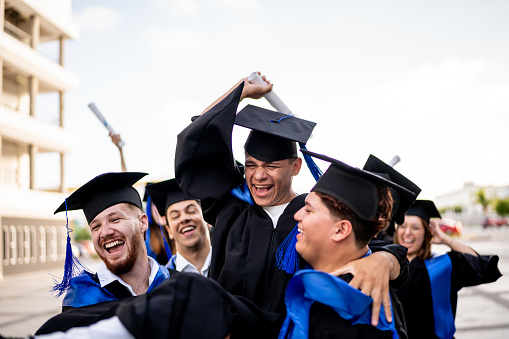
483	311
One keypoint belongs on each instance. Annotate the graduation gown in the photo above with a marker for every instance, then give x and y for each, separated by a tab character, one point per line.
416	293
323	306
186	305
243	238
86	289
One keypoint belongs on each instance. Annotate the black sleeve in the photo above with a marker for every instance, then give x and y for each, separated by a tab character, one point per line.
204	164
400	253
325	323
469	270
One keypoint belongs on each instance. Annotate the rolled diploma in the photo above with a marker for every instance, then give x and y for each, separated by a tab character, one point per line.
271	96
99	116
394	161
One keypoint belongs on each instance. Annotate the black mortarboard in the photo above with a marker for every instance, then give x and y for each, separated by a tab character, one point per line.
354	187
401	201
166	193
273	134
425	209
104	191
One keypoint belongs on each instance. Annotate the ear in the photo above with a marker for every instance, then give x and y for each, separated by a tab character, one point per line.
144	222
170	234
342	230
297	164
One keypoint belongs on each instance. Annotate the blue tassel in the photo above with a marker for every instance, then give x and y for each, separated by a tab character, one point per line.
150	221
72	267
287	258
313	167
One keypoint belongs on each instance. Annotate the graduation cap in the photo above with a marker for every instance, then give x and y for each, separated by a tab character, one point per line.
95	196
273	134
166	193
354	187
402	200
425	209
104	191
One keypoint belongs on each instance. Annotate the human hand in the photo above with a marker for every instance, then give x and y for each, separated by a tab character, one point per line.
255	91
117	140
439	237
371	277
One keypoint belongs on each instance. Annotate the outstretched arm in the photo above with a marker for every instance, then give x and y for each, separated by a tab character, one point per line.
117	140
439	237
250	90
371	276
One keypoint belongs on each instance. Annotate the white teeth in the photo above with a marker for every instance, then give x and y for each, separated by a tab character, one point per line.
301	231
113	243
262	186
186	229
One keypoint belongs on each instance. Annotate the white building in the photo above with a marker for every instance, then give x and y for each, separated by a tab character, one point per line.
32	57
465	200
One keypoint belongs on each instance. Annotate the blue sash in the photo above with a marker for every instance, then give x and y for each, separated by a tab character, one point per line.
84	291
308	286
439	271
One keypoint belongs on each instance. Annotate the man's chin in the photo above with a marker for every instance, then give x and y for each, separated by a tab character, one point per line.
119	267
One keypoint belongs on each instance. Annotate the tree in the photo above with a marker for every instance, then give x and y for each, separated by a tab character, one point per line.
482	200
502	207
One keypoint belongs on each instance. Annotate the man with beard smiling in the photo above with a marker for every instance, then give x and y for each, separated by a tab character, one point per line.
185	225
252	208
113	210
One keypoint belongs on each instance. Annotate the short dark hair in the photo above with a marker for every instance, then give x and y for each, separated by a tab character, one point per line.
364	230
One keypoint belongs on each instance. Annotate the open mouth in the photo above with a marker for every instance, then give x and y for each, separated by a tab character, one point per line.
262	190
187	229
408	242
114	246
300	231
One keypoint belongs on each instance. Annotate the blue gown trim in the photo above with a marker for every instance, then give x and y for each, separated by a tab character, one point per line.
242	192
84	290
440	270
308	286
171	262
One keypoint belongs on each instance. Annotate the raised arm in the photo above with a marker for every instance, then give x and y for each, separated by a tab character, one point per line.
117	140
439	237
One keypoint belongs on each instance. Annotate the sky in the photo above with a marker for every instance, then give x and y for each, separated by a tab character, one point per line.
425	80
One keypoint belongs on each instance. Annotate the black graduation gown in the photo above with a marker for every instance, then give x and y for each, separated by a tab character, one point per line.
415	294
186	305
244	240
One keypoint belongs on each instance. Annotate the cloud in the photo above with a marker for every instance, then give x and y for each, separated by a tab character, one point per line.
186	8
252	5
97	19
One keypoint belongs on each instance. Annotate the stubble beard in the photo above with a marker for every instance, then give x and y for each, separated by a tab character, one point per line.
120	267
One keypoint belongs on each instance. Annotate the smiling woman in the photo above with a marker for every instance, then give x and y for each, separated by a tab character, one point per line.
430	295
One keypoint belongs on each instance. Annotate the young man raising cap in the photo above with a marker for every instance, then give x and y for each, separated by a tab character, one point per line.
254	220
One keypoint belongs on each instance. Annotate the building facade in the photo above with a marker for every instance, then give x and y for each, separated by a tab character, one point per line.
463	205
34	82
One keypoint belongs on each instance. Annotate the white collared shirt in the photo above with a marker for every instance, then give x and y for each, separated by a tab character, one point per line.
106	277
182	265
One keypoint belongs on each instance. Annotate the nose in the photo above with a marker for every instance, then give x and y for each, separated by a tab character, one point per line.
106	231
260	173
407	231
298	215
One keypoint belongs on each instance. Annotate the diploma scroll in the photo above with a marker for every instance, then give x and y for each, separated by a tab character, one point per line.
99	116
271	96
394	161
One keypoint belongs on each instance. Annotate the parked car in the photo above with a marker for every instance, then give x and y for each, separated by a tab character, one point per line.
450	226
495	221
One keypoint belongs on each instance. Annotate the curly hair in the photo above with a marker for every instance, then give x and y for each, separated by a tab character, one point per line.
364	230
